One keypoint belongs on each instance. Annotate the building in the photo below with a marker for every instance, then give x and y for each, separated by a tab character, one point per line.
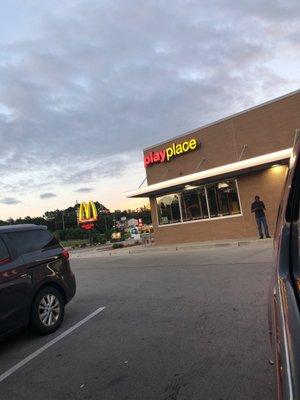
201	184
132	223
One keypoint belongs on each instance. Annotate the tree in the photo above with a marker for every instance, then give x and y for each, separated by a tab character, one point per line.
64	222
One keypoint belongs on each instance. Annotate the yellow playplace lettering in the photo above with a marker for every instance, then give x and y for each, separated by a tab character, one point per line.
178	149
169	152
193	144
175	149
185	146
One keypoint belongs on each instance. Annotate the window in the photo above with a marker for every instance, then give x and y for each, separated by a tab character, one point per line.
213	200
168	209
223	199
29	241
3	252
193	202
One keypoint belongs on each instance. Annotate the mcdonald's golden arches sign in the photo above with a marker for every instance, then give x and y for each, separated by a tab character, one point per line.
87	213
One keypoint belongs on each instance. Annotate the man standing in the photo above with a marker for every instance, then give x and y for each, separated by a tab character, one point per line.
258	208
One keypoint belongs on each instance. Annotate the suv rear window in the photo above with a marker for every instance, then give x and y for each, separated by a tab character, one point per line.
3	251
29	241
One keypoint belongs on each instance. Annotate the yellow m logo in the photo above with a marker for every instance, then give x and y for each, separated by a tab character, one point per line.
87	211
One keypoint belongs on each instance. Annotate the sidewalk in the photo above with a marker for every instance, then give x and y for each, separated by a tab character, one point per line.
100	252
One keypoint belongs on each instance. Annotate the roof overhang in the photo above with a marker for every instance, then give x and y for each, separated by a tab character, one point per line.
243	166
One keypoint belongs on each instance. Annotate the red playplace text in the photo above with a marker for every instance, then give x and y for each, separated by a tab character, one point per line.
167	154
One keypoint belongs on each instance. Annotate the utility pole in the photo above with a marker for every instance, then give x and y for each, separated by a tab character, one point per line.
114	221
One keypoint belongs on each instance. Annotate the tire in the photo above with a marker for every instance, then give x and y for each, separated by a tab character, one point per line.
47	312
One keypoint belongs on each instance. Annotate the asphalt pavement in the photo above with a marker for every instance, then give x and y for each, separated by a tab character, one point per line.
177	325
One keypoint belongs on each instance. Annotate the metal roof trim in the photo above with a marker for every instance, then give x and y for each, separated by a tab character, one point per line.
212	172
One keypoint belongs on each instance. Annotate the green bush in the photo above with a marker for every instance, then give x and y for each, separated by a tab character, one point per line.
98	238
102	238
74	243
117	245
71	234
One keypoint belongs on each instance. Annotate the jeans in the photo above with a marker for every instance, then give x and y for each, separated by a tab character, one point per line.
262	222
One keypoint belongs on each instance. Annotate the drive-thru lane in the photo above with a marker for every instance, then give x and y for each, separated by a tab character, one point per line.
177	325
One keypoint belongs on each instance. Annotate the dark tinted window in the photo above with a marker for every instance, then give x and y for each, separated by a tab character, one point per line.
168	209
3	251
199	202
29	241
296	223
193	203
223	199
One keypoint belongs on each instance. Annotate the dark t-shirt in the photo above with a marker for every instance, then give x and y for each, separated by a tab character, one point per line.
261	207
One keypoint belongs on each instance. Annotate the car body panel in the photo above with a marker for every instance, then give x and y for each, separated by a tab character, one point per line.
15	288
24	275
284	316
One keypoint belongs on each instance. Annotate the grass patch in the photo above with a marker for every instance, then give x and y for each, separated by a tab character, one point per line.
74	242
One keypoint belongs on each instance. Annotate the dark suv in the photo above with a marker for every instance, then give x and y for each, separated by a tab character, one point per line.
36	281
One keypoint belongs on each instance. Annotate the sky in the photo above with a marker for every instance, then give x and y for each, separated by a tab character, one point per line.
86	85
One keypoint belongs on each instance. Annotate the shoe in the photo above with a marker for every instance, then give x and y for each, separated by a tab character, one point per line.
261	237
268	237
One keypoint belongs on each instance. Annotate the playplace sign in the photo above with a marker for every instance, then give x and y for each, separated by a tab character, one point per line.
176	149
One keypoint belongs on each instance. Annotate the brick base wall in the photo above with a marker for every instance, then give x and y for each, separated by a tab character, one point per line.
268	184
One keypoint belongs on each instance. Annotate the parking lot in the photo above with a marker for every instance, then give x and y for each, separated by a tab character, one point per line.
187	324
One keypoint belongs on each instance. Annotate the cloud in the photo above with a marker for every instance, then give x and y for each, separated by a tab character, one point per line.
84	190
79	99
47	195
9	201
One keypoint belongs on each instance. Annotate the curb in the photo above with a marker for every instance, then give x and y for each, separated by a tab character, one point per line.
180	247
197	246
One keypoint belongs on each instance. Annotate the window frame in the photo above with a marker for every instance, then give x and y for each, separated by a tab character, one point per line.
202	190
210	218
179	204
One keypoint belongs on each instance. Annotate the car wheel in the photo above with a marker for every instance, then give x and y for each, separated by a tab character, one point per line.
47	311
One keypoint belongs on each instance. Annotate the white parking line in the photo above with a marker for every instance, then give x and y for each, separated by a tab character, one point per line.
46	346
